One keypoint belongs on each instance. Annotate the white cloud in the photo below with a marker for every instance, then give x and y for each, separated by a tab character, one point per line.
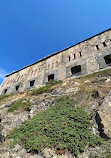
2	73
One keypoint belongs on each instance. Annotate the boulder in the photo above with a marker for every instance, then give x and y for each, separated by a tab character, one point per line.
105	115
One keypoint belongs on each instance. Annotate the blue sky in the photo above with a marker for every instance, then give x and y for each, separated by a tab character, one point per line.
32	29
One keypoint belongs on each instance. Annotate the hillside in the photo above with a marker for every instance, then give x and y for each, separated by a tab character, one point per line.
64	119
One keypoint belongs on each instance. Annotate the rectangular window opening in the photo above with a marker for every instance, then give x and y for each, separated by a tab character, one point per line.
74	56
51	77
69	58
104	44
5	91
32	83
17	87
76	70
107	59
80	54
97	47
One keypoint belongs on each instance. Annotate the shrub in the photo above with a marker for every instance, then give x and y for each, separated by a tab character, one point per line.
45	88
108	152
2	97
41	90
99	73
63	126
24	104
53	82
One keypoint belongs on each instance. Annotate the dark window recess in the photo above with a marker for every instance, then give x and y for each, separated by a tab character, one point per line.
104	44
69	58
51	77
80	54
107	59
5	91
17	87
97	47
76	69
74	56
32	83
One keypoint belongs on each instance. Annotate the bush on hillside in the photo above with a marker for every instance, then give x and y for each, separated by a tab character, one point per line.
53	82
2	97
46	88
63	126
41	90
22	104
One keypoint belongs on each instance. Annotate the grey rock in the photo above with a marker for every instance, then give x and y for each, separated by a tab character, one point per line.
105	115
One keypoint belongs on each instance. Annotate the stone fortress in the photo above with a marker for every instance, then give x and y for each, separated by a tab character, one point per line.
86	57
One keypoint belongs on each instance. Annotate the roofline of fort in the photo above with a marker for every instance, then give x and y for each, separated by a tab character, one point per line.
56	53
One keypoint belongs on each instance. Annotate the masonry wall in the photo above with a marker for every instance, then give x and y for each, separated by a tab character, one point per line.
85	57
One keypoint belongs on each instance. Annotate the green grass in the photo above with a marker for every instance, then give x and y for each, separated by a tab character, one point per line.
108	152
53	82
46	88
22	104
99	73
2	97
41	90
62	126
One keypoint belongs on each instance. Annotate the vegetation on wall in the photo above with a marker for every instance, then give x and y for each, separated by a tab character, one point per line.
45	88
22	104
105	72
2	97
41	90
63	126
53	82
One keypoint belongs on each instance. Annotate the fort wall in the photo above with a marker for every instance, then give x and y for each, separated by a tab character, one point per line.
85	57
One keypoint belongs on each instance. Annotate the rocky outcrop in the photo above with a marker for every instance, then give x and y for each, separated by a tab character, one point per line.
11	120
17	152
93	153
1	128
105	115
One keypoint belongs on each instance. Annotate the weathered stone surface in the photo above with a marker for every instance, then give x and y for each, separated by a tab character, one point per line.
10	120
37	108
95	94
50	153
1	128
93	153
16	152
108	80
105	115
70	90
86	81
